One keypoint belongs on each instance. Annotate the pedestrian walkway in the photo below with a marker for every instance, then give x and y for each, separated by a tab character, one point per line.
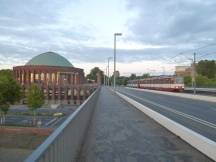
121	133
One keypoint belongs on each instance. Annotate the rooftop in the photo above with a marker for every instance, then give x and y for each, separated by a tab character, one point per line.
50	59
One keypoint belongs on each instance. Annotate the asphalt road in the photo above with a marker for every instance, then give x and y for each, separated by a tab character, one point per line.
197	115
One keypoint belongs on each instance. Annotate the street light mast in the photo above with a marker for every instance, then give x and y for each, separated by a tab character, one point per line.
115	35
109	58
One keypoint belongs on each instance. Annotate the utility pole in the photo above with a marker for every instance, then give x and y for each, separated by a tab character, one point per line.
194	73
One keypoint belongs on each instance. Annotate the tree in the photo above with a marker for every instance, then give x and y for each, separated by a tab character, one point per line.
10	92
35	99
93	74
133	76
207	68
4	111
187	81
146	75
203	81
122	80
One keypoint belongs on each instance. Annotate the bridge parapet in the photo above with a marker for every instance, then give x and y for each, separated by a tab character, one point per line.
65	142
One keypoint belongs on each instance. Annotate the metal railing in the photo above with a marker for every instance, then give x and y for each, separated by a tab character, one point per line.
64	144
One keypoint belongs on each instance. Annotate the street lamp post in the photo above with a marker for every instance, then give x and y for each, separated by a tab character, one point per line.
108	69
106	77
114	80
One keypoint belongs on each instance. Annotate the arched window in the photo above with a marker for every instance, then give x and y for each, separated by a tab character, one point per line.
36	76
53	77
48	77
42	76
32	77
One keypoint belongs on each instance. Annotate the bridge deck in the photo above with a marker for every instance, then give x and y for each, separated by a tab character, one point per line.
121	133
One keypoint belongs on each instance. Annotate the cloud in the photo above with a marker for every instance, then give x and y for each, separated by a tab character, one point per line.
100	54
32	12
174	22
82	31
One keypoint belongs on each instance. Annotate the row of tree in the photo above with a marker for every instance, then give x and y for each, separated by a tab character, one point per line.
11	92
120	80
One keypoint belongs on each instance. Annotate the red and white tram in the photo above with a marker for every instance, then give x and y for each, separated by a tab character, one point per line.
164	83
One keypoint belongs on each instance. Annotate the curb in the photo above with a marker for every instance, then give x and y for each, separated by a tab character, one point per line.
201	143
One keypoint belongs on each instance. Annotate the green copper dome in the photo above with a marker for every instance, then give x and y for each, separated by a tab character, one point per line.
50	59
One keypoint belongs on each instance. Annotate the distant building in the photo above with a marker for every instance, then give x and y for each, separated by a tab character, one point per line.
60	81
183	71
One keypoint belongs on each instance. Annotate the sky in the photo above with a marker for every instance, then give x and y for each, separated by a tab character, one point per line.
157	35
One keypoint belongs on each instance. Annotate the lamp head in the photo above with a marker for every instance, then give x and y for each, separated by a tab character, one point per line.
118	34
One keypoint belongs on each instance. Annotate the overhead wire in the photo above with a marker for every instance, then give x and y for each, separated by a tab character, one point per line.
207	54
171	59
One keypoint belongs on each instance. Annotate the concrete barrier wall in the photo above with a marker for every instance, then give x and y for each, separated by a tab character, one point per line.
64	144
201	143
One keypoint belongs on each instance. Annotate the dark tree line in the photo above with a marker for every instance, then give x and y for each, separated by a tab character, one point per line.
207	68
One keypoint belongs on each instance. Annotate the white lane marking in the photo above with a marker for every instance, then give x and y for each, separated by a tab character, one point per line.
209	124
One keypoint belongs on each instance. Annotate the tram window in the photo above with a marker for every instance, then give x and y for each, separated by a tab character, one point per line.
179	80
172	81
167	80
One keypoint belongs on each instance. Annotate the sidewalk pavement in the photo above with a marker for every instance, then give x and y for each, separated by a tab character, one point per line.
121	133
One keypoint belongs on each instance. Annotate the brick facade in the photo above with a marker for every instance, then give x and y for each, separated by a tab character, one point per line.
60	84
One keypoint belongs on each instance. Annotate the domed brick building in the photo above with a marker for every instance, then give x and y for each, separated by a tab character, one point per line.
60	81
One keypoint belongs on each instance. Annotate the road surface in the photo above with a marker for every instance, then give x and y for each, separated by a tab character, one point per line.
197	115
